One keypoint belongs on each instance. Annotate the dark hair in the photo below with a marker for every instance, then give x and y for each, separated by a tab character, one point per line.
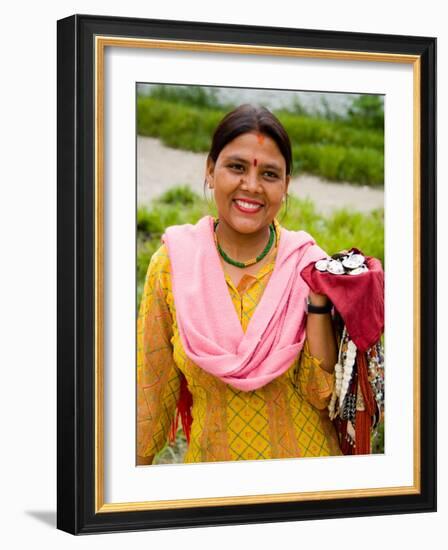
248	118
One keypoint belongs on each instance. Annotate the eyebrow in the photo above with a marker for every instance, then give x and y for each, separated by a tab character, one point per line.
244	161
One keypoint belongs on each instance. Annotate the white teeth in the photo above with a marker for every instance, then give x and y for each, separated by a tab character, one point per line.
248	205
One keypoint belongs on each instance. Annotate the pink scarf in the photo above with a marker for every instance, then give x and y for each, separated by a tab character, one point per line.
210	330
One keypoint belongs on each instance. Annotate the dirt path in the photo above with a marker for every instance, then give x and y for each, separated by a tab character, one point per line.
160	168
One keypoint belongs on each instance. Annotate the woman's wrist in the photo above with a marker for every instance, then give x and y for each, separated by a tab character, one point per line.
318	299
318	303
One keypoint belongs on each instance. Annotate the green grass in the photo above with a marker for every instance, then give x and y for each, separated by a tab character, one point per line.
360	166
333	149
195	96
377	440
308	129
173	453
364	111
341	230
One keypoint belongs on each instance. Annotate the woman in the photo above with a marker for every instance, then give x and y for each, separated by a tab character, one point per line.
256	384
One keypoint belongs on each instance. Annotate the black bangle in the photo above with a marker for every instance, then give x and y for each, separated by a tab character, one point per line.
310	308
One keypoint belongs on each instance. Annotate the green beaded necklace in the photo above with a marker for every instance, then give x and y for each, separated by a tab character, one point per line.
249	262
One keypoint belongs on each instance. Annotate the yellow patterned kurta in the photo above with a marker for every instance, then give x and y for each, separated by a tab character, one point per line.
286	418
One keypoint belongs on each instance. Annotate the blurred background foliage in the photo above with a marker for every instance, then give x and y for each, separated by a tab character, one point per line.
340	145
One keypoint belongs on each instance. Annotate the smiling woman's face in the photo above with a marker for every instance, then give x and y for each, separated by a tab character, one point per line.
249	182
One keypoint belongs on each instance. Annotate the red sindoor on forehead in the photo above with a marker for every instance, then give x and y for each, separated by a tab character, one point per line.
260	138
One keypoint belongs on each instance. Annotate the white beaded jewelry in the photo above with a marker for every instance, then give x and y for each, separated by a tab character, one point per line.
343	374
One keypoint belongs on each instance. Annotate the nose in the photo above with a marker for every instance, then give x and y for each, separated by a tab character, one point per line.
250	181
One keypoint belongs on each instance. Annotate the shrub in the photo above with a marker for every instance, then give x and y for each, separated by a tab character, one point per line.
333	149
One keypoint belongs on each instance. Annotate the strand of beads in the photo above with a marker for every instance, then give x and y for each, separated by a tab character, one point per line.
347	369
375	356
349	407
343	374
338	379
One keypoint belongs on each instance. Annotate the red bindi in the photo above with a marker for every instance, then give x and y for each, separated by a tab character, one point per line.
255	162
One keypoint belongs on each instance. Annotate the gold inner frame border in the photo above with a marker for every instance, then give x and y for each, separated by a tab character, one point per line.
100	44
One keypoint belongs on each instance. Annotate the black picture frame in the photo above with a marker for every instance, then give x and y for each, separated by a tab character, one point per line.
78	507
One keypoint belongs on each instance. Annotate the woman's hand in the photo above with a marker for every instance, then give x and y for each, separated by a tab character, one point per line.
320	332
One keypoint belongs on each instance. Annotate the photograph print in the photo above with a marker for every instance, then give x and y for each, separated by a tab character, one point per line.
260	274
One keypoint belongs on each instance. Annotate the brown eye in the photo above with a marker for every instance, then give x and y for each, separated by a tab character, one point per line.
271	175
